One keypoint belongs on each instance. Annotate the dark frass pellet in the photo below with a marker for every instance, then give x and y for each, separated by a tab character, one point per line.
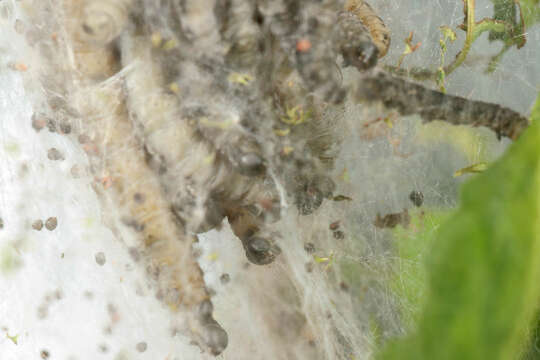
417	198
309	248
1	223
51	125
139	198
141	347
339	235
38	122
37	225
100	258
65	127
225	278
51	223
54	154
112	310
44	354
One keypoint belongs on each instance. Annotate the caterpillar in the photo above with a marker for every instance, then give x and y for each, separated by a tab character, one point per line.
201	111
380	34
171	178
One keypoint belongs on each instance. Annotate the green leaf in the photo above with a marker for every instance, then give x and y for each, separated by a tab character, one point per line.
412	245
484	267
518	15
531	11
13	338
448	33
506	11
475	168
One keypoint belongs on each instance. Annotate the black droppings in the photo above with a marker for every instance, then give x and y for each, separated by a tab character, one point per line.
417	198
65	127
55	154
141	347
225	278
51	223
309	247
139	198
100	258
38	122
37	225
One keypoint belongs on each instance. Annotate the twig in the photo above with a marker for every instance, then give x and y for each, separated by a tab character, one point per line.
474	30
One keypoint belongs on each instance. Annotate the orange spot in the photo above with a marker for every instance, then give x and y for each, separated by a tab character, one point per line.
115	317
21	67
90	148
106	181
303	45
335	225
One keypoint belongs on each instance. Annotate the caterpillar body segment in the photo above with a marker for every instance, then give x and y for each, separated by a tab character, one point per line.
380	34
199	180
102	21
136	191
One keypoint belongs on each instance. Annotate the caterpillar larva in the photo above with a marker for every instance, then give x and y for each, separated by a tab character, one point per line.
202	185
136	191
171	151
230	119
378	30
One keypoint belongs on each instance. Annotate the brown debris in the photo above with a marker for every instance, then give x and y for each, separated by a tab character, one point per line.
392	220
141	347
335	225
51	223
100	258
37	225
54	154
38	122
417	198
309	247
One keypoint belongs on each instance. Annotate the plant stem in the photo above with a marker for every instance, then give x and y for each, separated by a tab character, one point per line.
468	40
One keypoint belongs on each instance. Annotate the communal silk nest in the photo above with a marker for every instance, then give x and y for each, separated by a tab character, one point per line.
199	123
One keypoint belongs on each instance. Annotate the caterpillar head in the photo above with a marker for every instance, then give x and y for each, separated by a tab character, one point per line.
103	20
